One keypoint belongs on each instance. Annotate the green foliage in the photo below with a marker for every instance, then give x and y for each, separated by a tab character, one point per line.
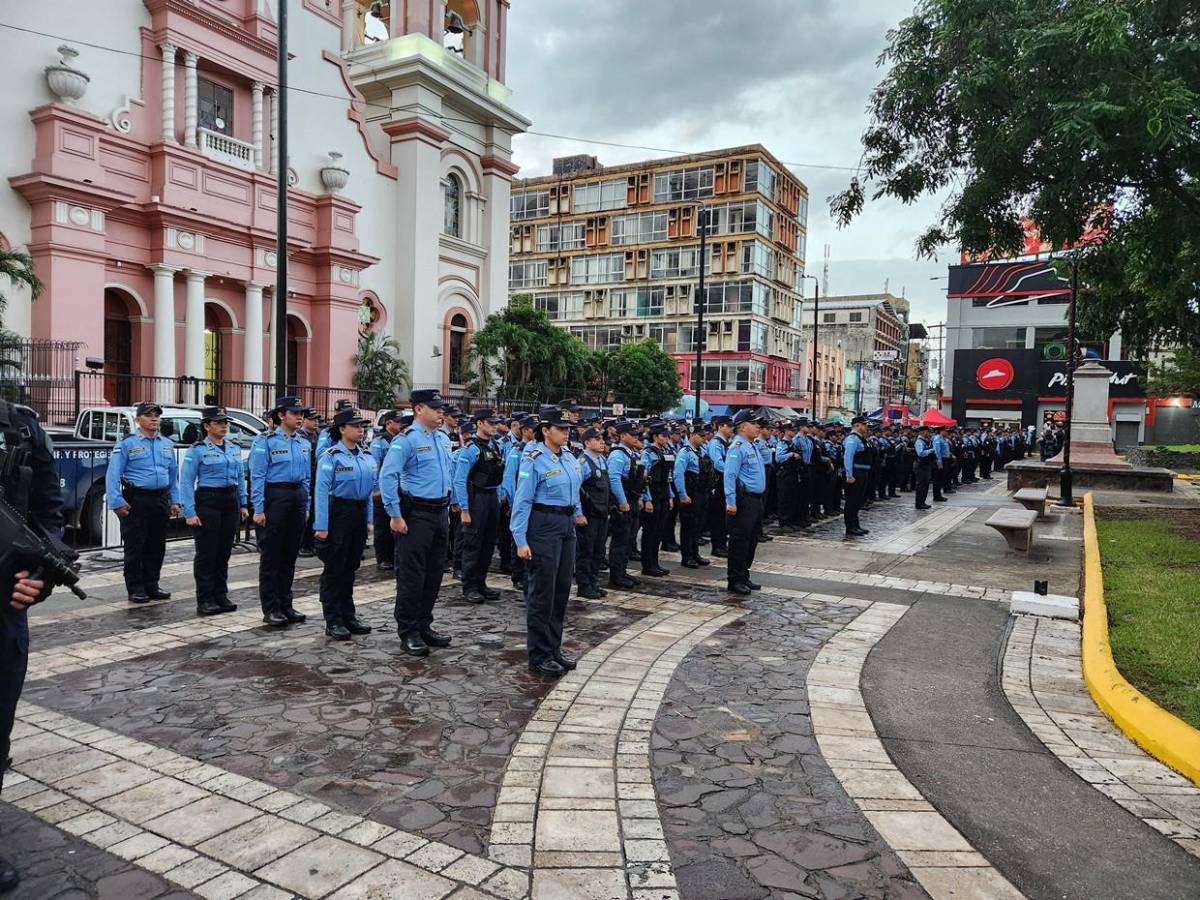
644	376
520	347
1176	375
18	269
381	374
1078	114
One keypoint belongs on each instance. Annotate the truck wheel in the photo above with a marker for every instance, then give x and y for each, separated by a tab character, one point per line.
92	519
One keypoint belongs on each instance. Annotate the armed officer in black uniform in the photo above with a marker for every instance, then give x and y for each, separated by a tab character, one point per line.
658	461
478	471
594	495
29	481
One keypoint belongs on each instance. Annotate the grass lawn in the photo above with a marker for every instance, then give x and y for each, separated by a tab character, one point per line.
1151	565
1175	448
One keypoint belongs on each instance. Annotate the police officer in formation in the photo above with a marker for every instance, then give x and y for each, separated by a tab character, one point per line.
626	479
280	469
520	435
478	472
924	466
717	448
595	492
694	483
391	423
142	487
212	488
658	462
415	484
346	479
546	511
857	468
745	482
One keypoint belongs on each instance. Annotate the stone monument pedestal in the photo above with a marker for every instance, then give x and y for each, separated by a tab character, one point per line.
1091	432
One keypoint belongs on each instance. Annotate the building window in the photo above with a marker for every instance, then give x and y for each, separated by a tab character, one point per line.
828	318
752	336
599	195
637	302
599	337
214	106
681	263
530	205
560	306
527	273
452	201
598	269
733	376
639	228
1051	344
567	236
736	296
856	317
458	348
757	259
998	338
685	184
760	177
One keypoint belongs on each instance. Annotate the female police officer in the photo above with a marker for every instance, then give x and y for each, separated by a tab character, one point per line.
212	487
545	511
345	481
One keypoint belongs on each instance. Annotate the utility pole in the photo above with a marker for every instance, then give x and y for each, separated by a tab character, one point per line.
816	319
701	302
281	204
1065	478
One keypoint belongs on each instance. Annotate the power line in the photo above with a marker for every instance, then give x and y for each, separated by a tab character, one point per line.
389	109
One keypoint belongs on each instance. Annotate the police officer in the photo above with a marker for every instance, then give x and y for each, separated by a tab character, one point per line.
692	476
857	467
658	462
212	486
546	512
33	490
745	486
626	481
941	473
280	468
594	500
923	466
478	471
346	479
415	484
385	545
520	435
142	486
716	450
318	439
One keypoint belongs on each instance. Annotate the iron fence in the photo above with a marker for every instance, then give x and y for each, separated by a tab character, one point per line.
40	374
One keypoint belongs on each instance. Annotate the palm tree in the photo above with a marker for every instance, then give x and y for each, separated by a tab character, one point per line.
17	268
381	373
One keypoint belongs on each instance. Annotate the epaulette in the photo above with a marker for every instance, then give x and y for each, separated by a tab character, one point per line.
198	444
533	454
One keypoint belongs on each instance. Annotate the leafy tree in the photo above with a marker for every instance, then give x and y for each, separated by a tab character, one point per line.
520	347
381	374
1080	115
645	377
1178	374
17	268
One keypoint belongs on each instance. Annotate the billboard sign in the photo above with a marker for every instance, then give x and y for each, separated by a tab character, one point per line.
1007	283
886	355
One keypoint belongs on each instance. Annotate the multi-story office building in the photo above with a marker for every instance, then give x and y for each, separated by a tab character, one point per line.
870	329
613	255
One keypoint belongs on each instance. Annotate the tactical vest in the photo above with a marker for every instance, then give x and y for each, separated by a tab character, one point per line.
16	463
634	482
488	470
594	492
660	473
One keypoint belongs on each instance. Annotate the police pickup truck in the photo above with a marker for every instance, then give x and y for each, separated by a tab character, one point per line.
83	454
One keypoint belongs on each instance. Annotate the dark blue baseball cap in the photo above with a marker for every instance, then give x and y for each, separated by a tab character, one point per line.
432	398
289	404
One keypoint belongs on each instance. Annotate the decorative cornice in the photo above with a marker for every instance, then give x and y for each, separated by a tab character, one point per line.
500	165
224	27
355	114
408	129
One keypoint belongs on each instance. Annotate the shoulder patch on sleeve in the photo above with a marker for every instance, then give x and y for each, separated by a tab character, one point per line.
533	454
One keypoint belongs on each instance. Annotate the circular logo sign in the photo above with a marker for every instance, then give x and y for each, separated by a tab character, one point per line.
995	374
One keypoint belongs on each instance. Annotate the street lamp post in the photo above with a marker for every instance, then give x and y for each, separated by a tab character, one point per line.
701	302
816	319
281	203
1065	480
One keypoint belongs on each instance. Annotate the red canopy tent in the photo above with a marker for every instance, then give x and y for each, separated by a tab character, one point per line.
932	417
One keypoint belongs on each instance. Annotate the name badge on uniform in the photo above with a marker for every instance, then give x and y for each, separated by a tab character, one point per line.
344	469
133	450
284	452
211	457
552	472
424	449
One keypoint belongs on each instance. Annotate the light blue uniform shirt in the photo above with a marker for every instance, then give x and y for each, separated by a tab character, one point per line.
650	456
941	447
686	460
417	463
348	474
276	458
144	462
464	461
620	464
764	451
716	450
512	461
804	446
851	447
210	465
379	449
743	464
923	448
784	450
324	441
544	478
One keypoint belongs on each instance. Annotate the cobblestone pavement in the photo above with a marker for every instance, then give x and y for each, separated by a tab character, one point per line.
703	750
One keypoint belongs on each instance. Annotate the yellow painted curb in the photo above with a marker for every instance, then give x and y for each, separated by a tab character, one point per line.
1164	736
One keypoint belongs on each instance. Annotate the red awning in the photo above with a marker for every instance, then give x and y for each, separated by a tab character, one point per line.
932	417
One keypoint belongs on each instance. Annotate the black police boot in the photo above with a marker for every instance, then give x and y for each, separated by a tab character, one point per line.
292	616
489	593
158	594
473	596
337	632
275	619
567	662
551	668
690	564
623	582
9	879
702	560
226	605
671	547
435	638
413	644
720	552
740	588
208	608
588	592
753	585
357	626
138	597
656	572
923	506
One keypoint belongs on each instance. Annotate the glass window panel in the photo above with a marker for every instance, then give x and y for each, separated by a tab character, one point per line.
1000	338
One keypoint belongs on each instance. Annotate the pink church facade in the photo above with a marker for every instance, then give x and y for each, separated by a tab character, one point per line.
153	226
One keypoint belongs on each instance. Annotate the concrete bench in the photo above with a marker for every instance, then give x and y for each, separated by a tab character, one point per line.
1033	498
1016	525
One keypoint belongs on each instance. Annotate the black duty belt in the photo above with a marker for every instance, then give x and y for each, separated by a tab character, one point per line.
216	490
757	496
425	503
292	485
133	489
556	510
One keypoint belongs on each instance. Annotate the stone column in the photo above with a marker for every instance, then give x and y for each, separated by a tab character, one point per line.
168	92
252	353
164	328
349	24
191	112
256	122
275	131
193	335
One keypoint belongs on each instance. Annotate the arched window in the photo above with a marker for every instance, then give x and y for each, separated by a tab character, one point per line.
452	199
458	348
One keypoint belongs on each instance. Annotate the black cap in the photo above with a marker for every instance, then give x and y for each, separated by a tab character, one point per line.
145	408
431	398
486	414
349	416
529	420
391	415
744	416
311	413
552	415
859	420
344	403
452	411
568	406
628	428
592	434
405	420
660	429
213	414
721	420
289	404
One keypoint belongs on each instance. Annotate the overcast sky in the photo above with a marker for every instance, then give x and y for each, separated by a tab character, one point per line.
694	75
